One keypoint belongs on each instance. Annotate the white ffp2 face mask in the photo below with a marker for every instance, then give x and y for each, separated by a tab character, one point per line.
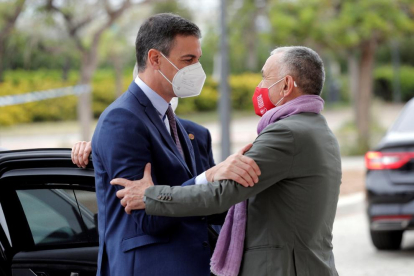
188	81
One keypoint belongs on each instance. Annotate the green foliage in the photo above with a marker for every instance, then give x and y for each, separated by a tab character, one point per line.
171	6
339	24
383	82
296	22
19	82
7	9
103	94
241	86
242	89
379	19
405	52
28	51
210	46
342	84
59	109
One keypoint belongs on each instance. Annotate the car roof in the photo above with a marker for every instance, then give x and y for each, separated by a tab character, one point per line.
47	161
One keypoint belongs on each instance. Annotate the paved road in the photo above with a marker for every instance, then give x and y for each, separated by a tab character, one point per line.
354	253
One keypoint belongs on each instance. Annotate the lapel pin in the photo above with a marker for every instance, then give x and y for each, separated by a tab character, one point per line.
191	136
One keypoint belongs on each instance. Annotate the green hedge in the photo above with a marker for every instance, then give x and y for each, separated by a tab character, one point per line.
242	88
18	82
59	109
103	93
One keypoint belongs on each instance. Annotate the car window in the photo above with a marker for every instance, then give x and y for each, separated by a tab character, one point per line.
88	206
3	224
54	218
404	122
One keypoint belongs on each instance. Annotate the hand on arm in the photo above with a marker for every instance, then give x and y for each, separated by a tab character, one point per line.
273	151
80	153
237	167
132	196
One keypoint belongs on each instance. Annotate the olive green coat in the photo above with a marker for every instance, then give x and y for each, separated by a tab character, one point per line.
290	211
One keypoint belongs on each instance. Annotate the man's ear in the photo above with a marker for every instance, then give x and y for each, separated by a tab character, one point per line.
153	59
289	85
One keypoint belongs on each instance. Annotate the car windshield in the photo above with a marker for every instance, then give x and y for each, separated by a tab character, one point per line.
404	122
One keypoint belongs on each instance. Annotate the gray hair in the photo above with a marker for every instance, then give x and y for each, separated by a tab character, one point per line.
304	65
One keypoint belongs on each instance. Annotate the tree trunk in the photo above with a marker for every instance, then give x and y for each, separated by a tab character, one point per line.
66	69
118	75
88	67
353	80
2	52
5	31
365	94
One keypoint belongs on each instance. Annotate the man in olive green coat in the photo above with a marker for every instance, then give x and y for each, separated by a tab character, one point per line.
291	209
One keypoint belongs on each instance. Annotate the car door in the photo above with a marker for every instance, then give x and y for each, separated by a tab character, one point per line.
49	209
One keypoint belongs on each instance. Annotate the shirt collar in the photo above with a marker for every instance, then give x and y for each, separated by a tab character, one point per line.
157	101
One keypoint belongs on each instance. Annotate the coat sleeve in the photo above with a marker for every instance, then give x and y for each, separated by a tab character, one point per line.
124	148
273	151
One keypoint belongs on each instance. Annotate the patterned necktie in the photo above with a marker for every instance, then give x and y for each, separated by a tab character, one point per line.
173	128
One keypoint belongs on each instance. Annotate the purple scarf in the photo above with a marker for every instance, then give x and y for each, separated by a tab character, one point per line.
305	103
227	256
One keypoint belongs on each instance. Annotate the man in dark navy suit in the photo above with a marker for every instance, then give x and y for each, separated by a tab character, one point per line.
140	128
200	138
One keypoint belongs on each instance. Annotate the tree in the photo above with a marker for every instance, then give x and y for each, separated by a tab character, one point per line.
358	27
246	43
9	13
353	28
98	16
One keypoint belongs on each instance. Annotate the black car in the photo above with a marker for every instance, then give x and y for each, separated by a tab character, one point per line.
390	183
47	215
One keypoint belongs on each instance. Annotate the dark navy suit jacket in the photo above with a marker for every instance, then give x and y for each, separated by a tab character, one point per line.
200	138
129	135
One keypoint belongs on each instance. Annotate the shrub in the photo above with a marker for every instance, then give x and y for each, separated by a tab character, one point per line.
242	89
20	82
103	94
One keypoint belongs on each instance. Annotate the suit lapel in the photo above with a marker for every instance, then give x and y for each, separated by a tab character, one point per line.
155	119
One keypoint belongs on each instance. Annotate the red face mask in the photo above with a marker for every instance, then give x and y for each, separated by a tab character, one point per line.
261	100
